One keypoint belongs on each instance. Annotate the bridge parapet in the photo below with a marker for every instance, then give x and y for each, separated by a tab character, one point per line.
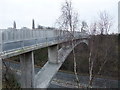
11	39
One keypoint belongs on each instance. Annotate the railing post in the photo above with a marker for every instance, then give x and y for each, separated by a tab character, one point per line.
27	70
53	54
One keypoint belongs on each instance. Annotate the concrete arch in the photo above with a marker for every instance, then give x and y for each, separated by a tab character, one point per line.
45	75
82	41
70	48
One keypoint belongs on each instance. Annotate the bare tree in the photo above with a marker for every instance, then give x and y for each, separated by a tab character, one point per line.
104	22
99	45
93	29
68	22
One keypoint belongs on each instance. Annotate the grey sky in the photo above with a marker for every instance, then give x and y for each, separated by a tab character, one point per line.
45	12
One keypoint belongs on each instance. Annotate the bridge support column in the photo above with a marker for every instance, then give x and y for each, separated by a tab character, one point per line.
0	73
27	70
53	54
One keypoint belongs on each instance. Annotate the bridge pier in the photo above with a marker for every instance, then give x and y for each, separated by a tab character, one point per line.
27	70
53	54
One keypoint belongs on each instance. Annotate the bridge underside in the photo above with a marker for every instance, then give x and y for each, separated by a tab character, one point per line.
44	76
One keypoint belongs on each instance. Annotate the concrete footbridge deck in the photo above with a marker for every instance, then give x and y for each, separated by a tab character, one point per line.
24	41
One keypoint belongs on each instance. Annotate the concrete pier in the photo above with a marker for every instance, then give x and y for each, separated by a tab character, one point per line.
53	54
27	70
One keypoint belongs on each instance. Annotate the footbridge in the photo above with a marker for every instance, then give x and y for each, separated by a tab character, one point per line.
23	42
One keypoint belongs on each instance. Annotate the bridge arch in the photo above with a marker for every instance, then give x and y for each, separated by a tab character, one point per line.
44	76
81	45
78	43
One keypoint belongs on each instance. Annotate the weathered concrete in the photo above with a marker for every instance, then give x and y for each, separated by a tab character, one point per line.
26	49
27	70
0	73
18	41
22	42
14	39
53	54
19	51
45	75
43	78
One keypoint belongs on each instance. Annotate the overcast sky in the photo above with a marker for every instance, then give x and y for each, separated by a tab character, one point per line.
45	12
